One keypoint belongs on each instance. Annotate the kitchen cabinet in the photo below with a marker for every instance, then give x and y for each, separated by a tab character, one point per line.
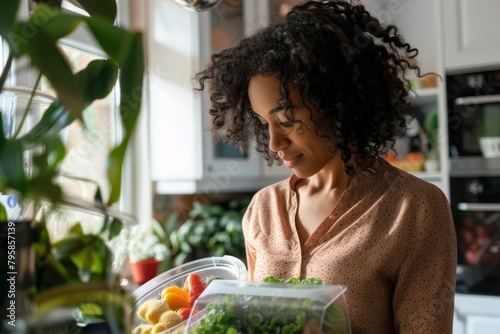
471	34
476	314
184	158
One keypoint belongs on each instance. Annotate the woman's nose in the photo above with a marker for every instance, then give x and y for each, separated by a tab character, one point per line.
277	140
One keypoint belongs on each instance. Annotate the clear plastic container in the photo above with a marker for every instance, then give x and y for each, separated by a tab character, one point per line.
226	268
251	307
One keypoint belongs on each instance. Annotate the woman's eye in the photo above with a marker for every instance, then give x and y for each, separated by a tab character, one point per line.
287	124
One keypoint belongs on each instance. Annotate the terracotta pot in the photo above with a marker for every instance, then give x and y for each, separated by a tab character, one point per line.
143	271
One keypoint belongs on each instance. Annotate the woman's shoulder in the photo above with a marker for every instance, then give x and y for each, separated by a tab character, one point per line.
413	183
278	189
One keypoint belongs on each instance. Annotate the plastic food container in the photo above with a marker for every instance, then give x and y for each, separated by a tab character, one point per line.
251	307
226	268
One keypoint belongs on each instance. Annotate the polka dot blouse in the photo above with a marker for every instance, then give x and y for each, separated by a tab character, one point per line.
390	240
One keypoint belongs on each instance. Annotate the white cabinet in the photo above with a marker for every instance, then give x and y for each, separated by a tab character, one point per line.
184	158
471	33
476	314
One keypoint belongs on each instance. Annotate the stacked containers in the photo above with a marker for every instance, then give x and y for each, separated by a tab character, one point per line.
226	267
231	304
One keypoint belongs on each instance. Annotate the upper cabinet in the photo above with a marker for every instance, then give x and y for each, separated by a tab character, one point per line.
185	159
472	37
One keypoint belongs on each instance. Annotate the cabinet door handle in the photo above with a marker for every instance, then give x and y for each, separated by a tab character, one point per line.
479	206
477	99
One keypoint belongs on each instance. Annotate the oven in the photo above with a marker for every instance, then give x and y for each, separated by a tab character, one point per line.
473	103
475	204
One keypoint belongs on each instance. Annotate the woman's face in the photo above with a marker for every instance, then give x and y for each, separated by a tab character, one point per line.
297	143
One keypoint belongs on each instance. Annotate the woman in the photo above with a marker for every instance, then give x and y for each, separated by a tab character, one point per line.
324	92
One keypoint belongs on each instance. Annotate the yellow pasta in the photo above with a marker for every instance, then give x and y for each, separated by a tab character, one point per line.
155	310
143	329
158	328
170	319
141	312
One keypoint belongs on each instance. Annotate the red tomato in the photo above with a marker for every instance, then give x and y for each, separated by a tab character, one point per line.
194	286
184	312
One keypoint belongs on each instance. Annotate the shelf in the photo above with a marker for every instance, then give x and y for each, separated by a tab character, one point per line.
423	92
425	95
428	176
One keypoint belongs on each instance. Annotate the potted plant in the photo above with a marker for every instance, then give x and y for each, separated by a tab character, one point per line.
146	250
67	272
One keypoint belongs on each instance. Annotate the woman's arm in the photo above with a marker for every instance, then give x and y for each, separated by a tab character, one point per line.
424	290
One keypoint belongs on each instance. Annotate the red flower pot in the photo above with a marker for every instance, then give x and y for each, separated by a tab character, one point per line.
143	271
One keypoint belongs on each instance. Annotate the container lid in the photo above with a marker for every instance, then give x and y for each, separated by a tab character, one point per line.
323	293
227	267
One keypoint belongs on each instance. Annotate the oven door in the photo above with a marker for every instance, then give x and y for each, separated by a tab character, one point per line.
476	211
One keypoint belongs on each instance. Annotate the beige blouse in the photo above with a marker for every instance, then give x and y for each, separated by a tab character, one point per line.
390	240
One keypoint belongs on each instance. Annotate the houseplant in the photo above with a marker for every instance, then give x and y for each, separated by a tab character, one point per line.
74	269
146	250
211	229
37	38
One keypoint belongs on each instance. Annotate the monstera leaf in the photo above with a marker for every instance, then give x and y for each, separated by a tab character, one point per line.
37	38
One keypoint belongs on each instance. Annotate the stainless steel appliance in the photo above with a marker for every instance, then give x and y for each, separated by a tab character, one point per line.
476	212
473	101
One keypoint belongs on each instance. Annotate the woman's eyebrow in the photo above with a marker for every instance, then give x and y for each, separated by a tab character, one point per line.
270	112
275	110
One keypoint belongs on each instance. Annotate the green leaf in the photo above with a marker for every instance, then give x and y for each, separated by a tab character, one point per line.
47	57
185	230
56	24
55	118
114	171
174	240
171	222
67	246
104	8
97	80
8	15
76	230
185	247
82	259
126	50
115	41
131	78
3	213
12	166
115	228
180	258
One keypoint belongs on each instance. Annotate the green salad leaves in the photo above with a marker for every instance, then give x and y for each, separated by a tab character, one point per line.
254	314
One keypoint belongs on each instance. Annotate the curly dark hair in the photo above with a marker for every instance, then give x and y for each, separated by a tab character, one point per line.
345	62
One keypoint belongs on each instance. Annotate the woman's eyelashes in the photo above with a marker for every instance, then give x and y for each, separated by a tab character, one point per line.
287	124
279	119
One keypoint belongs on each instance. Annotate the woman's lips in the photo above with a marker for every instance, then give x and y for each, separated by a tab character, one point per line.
290	162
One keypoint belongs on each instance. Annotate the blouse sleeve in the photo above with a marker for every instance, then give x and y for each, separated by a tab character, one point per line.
250	250
424	289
